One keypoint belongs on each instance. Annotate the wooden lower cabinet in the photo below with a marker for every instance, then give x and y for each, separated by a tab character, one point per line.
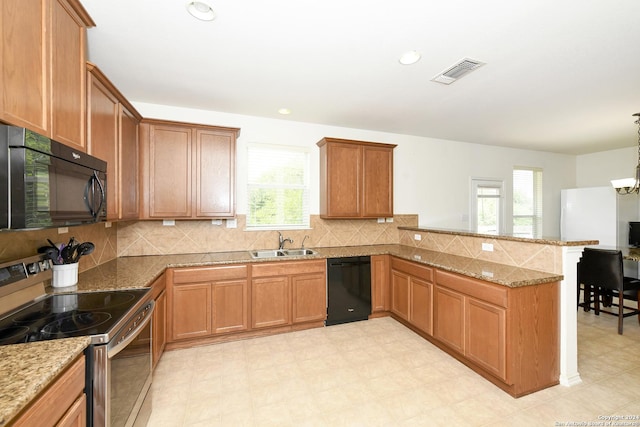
485	338
421	305
309	297
159	321
203	301
62	404
449	318
412	293
286	293
400	294
508	335
270	302
380	295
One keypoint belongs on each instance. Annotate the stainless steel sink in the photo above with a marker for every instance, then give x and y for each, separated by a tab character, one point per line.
275	253
299	252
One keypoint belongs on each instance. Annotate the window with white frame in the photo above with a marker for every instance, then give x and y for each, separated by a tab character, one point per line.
277	187
487	206
527	202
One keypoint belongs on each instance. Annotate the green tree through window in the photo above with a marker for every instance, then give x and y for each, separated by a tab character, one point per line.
278	187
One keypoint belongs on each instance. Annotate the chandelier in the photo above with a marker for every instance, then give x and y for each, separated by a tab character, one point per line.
630	185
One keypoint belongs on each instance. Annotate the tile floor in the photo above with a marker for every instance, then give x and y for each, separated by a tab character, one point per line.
379	373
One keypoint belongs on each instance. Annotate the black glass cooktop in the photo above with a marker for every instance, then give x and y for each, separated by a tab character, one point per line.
68	315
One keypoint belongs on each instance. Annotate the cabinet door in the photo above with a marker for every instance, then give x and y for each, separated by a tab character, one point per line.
486	336
24	97
343	180
159	327
309	297
421	310
400	294
449	318
170	171
377	200
230	306
215	173
270	302
379	283
68	89
102	129
191	311
128	161
76	416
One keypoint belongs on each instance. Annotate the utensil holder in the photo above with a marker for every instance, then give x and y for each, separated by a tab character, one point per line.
64	275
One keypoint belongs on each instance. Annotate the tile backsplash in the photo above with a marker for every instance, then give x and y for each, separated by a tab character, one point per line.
20	244
533	255
153	238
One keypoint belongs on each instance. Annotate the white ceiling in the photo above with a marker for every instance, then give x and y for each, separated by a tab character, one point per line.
560	76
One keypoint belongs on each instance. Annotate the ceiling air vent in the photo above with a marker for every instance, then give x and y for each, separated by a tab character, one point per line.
456	71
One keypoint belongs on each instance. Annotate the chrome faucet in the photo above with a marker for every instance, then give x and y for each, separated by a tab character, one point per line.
282	240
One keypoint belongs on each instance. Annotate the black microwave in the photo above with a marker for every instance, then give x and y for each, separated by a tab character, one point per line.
48	184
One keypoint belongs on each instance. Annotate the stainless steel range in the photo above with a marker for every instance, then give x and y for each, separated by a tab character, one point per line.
118	323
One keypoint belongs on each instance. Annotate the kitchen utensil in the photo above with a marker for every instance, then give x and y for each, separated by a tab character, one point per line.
83	249
53	255
68	253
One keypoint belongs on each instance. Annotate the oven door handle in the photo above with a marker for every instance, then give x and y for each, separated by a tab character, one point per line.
141	319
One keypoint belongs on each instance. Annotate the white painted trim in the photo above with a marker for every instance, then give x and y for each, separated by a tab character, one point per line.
569	375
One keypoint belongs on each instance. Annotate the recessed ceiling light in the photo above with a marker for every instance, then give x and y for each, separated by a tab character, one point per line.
410	57
284	111
201	9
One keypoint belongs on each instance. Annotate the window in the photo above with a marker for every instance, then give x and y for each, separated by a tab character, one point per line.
527	202
278	187
486	206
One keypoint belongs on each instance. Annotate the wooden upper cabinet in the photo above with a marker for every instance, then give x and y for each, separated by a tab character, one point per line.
42	79
25	64
356	179
112	135
215	173
187	171
129	196
167	153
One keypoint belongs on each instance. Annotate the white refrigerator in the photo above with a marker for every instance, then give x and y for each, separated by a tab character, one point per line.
599	213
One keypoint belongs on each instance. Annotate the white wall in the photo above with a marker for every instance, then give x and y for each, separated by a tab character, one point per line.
598	169
431	176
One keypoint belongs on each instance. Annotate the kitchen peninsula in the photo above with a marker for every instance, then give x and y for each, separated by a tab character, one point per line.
542	254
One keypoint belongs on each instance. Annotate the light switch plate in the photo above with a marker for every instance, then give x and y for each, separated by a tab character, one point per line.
232	223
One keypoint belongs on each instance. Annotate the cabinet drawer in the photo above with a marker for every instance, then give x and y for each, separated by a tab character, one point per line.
413	269
209	274
494	294
288	268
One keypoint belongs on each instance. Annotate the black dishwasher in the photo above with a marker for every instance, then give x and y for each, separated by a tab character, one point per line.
349	289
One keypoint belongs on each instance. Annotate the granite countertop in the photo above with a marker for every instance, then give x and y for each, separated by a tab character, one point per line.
141	271
27	369
550	240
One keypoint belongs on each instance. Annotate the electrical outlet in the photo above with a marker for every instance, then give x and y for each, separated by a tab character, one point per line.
63	230
417	237
107	224
232	223
216	222
168	222
380	220
487	247
389	219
